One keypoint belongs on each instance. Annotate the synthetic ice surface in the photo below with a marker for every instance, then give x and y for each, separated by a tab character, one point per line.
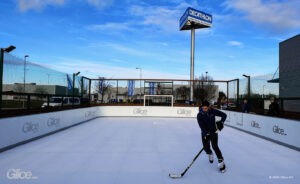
146	150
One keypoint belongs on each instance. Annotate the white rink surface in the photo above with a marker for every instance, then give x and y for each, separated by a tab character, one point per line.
145	151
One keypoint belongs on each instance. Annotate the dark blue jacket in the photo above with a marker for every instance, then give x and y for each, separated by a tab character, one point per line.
207	121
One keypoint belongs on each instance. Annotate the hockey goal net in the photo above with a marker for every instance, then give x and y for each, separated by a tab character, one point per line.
158	100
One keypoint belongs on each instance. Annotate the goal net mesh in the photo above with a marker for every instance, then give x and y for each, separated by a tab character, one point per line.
158	100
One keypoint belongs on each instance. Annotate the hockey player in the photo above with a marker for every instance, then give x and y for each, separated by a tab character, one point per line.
209	130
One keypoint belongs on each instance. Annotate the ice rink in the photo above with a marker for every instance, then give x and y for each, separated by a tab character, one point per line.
145	151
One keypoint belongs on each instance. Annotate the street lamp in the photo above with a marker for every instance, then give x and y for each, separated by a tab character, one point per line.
140	82
8	49
248	76
263	91
24	82
73	91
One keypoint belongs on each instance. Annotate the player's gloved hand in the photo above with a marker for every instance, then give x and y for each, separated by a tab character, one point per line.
220	125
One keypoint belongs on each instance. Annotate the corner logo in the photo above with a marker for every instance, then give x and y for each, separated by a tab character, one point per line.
278	130
18	174
140	111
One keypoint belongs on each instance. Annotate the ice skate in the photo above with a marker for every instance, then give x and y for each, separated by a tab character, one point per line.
211	158
221	166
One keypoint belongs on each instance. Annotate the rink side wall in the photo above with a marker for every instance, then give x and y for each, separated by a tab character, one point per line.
20	130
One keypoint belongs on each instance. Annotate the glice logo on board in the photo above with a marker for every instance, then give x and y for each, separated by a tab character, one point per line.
18	174
30	127
278	130
140	111
184	112
254	124
53	122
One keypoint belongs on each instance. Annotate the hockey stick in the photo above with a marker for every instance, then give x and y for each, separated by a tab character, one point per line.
175	176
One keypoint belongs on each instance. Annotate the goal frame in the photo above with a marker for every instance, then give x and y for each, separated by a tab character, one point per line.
172	98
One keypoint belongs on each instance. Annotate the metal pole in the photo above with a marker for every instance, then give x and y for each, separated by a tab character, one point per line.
192	64
238	92
1	75
227	93
73	91
141	84
24	85
90	88
81	87
249	87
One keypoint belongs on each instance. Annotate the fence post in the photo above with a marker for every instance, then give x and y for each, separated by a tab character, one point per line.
28	102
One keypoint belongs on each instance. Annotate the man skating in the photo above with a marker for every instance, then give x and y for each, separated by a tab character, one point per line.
209	129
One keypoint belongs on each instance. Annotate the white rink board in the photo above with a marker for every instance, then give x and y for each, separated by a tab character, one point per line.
19	129
140	111
278	129
22	128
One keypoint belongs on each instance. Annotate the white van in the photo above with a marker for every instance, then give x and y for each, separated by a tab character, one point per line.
56	101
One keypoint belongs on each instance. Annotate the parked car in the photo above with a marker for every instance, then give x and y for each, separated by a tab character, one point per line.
228	107
56	101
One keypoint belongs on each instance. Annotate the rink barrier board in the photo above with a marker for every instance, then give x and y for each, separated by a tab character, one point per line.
23	129
278	130
20	130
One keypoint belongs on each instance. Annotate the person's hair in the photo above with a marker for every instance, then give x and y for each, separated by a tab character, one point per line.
205	103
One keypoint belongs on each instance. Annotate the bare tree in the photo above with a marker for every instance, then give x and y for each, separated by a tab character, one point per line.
102	87
204	89
182	92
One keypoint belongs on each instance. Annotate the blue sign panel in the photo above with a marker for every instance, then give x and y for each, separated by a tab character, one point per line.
131	85
70	85
152	88
194	19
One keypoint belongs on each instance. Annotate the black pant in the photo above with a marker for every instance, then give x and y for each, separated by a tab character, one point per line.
213	138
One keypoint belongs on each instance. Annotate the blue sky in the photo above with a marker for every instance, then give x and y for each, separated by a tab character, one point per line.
111	38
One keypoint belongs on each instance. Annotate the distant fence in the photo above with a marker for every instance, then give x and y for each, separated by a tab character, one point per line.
29	87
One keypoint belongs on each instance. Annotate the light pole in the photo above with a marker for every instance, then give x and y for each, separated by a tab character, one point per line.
248	76
73	90
24	82
263	91
140	82
8	49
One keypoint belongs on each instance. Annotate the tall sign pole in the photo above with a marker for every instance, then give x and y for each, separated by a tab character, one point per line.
192	64
191	20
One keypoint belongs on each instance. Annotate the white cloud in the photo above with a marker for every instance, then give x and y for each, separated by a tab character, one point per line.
235	43
276	16
159	17
95	69
110	26
119	48
25	5
100	3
